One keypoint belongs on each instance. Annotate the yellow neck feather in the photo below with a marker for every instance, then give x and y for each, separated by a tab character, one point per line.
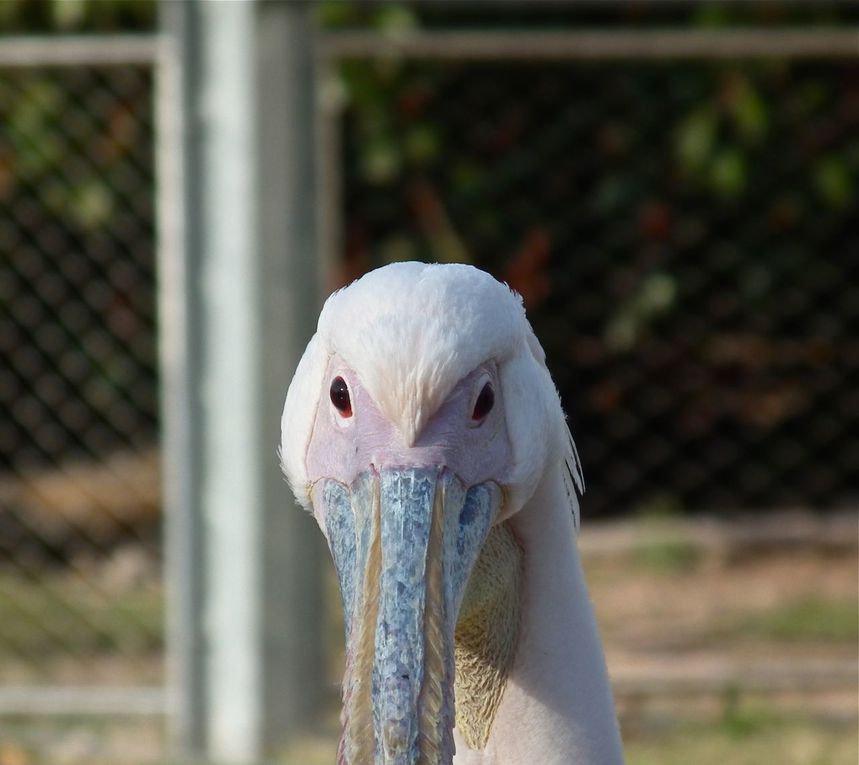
487	633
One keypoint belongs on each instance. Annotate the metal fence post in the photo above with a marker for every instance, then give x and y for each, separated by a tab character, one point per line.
243	561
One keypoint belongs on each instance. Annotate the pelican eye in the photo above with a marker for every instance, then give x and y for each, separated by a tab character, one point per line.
485	402
339	394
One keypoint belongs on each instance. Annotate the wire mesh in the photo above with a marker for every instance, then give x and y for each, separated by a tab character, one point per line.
80	590
684	237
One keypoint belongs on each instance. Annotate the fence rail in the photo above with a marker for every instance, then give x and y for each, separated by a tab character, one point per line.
83	701
93	50
601	45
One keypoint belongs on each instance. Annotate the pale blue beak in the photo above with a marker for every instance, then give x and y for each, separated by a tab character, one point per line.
404	541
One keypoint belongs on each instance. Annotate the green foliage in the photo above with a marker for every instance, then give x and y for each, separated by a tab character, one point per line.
834	181
660	547
654	296
667	557
78	16
740	720
749	737
74	160
728	173
749	112
696	138
52	616
806	620
715	139
389	16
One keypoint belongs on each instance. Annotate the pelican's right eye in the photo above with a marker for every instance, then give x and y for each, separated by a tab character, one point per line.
340	397
485	402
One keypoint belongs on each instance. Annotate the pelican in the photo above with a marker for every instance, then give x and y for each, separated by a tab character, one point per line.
423	431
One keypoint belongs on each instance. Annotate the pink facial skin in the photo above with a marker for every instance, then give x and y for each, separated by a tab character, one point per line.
475	450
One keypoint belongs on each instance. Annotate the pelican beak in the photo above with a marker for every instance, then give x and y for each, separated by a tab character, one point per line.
404	541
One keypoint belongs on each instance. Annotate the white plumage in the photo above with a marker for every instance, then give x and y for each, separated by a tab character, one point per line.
410	341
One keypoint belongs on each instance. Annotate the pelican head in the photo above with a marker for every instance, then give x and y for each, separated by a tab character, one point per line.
420	417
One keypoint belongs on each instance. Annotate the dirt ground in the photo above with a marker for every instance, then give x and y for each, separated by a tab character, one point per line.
694	622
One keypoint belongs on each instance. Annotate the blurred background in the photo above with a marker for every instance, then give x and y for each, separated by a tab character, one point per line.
684	229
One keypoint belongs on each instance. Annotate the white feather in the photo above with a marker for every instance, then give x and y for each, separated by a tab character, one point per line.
411	332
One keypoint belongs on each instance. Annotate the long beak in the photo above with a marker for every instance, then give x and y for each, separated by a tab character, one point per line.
404	541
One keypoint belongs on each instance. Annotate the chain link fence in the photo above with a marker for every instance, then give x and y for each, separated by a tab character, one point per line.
80	580
684	236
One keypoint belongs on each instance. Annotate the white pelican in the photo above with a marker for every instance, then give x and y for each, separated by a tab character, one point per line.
424	433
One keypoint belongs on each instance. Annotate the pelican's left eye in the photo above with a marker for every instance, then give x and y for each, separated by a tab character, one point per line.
485	402
340	397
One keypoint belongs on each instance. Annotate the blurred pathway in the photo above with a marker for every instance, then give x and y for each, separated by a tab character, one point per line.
699	615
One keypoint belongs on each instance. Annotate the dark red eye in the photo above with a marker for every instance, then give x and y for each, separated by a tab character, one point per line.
485	402
340	397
